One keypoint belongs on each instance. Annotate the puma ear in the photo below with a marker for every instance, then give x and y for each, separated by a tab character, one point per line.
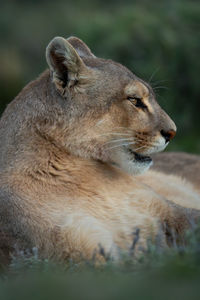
80	47
64	62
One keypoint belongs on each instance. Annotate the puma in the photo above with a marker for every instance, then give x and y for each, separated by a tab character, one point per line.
72	143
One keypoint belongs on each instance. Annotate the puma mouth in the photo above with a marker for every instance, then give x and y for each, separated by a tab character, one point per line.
132	162
140	158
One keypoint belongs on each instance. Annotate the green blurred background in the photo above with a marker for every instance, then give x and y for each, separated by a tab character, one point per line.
157	40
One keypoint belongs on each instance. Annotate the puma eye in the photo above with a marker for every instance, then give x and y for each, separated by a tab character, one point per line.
137	102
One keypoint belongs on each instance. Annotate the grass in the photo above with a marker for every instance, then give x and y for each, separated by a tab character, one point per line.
158	274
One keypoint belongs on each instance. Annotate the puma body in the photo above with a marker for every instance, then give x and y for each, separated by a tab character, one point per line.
71	144
185	165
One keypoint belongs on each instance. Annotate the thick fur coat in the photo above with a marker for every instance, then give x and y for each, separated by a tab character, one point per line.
72	143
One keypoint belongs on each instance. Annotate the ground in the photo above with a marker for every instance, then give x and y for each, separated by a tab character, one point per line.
157	274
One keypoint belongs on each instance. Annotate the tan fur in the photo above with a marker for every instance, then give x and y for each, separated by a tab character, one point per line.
67	142
182	164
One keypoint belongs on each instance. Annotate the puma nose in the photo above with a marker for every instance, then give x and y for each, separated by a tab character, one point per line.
168	135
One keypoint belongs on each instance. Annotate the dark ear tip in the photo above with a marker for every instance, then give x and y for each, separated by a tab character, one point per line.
56	41
73	38
81	48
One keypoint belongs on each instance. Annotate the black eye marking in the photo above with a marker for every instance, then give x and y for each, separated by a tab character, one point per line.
136	101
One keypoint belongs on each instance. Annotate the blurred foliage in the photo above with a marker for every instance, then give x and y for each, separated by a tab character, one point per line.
157	40
159	274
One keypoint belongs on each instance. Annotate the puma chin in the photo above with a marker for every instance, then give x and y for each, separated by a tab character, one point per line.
135	162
